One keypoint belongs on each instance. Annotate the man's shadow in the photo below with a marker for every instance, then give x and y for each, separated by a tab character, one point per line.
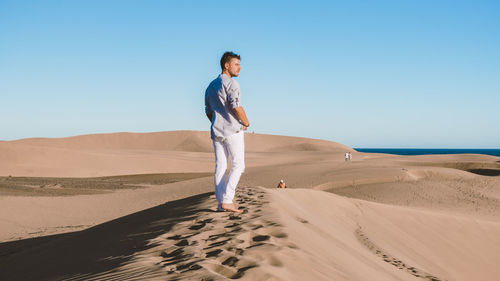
98	249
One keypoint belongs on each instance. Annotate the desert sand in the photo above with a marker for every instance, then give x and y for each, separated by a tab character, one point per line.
140	206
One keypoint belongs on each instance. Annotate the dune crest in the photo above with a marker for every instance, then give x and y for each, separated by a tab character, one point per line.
195	141
134	153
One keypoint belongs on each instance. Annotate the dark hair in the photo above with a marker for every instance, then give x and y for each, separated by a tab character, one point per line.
226	57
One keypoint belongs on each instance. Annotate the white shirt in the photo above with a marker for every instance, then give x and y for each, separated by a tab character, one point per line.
221	97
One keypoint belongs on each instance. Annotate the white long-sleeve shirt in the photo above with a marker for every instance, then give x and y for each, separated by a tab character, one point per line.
221	97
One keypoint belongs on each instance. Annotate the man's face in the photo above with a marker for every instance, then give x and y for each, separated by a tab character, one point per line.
233	67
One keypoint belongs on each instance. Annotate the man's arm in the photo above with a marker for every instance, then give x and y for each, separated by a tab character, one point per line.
208	112
242	116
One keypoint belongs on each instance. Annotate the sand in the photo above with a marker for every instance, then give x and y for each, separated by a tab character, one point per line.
131	206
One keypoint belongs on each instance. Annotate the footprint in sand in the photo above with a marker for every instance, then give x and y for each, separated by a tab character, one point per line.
302	220
213	253
392	260
217	245
260	238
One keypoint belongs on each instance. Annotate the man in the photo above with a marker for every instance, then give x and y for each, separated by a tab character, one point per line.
229	121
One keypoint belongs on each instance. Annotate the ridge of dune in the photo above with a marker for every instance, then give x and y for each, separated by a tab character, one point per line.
195	141
135	153
171	140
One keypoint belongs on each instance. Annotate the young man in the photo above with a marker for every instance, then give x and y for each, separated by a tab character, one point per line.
229	120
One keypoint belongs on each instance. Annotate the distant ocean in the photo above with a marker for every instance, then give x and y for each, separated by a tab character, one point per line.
426	151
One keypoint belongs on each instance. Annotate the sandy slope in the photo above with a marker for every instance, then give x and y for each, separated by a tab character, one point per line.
30	216
360	240
294	234
391	217
137	153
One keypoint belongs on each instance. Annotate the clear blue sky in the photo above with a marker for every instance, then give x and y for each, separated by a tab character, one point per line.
363	73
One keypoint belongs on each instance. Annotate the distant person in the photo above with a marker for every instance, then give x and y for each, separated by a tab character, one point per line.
229	121
282	184
350	156
346	156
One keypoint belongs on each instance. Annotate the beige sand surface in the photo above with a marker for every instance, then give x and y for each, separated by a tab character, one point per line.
380	217
143	153
361	240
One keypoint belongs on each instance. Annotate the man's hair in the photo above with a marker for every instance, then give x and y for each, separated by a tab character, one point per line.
226	57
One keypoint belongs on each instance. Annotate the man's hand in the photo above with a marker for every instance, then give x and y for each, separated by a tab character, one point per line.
243	127
241	115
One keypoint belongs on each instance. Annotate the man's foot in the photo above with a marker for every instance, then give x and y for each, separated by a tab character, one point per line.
219	208
230	208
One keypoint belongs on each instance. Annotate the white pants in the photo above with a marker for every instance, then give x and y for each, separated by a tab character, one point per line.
232	146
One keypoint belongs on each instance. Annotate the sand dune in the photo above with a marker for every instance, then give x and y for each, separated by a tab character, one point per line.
283	235
360	240
195	141
137	153
380	217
